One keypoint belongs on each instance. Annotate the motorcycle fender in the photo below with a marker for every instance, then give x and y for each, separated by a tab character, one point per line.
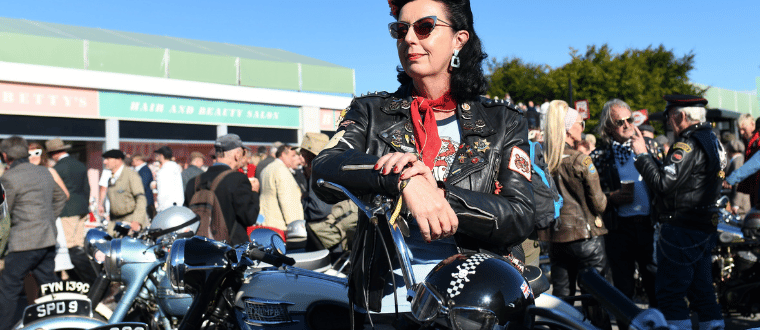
63	322
300	288
548	301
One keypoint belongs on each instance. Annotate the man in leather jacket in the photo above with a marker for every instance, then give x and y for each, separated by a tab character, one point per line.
687	185
628	216
487	185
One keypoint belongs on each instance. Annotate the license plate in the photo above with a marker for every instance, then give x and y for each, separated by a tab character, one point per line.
56	308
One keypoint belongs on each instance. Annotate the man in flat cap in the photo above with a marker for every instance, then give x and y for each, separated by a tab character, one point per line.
237	196
687	183
125	193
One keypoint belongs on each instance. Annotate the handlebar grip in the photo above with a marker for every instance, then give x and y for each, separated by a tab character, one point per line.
272	259
607	295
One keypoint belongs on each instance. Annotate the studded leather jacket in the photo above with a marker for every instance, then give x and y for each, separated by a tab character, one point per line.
689	181
493	153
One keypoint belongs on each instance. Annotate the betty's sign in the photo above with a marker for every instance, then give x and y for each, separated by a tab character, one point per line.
33	100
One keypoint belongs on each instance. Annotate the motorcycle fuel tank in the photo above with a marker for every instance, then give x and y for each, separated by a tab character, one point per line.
290	291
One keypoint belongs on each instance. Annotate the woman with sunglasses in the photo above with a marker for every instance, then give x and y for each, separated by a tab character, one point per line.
38	156
459	161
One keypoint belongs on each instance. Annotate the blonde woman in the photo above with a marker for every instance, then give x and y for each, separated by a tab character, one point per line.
576	243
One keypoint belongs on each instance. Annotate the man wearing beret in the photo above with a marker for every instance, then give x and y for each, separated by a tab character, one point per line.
687	184
125	193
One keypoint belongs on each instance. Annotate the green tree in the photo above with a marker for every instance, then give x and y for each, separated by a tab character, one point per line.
640	77
523	81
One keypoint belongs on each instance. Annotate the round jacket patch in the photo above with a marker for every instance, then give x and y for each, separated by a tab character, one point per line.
677	156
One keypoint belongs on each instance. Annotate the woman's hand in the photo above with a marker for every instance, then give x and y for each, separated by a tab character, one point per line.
395	162
428	206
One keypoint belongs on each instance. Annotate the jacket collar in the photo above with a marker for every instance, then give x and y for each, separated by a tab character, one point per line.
472	117
688	131
18	162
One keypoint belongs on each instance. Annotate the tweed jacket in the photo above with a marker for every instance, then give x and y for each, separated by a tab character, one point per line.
280	196
34	202
584	202
127	197
74	176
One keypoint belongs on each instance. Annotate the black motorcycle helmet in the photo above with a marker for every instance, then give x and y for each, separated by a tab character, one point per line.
477	290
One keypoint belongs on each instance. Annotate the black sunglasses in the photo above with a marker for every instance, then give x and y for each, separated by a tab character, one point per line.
621	122
422	27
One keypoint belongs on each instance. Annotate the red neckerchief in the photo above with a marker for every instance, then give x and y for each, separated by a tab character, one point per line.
752	145
426	137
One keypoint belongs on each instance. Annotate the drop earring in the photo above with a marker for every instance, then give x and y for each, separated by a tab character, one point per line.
455	59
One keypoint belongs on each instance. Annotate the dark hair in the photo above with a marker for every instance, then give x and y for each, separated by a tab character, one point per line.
280	150
15	147
468	81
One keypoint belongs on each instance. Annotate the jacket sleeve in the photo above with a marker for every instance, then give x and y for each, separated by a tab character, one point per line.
675	170
590	176
507	218
138	193
748	169
345	162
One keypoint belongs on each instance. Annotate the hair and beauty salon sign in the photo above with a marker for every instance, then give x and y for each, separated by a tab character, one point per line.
196	111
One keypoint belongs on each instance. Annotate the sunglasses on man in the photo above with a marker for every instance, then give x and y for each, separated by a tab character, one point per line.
423	27
621	122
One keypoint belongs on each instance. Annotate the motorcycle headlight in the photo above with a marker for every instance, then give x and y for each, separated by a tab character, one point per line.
97	243
114	261
175	265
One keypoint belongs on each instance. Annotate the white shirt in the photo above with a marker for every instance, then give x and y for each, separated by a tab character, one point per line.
104	177
137	168
116	175
169	186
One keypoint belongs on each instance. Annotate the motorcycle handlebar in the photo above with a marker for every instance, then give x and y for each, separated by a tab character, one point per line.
607	295
272	259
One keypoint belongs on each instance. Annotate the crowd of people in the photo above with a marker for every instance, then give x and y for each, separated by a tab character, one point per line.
49	200
460	162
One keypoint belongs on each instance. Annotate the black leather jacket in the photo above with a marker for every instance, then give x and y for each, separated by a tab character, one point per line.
689	181
379	124
609	179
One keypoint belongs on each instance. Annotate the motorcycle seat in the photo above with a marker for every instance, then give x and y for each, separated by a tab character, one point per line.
318	261
537	280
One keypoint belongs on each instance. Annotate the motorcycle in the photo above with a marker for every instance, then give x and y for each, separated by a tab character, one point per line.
735	266
281	295
250	287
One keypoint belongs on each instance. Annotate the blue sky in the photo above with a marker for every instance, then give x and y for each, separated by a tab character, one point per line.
724	35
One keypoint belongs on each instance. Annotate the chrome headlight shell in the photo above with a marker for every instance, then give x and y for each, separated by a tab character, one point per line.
114	261
96	244
176	267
